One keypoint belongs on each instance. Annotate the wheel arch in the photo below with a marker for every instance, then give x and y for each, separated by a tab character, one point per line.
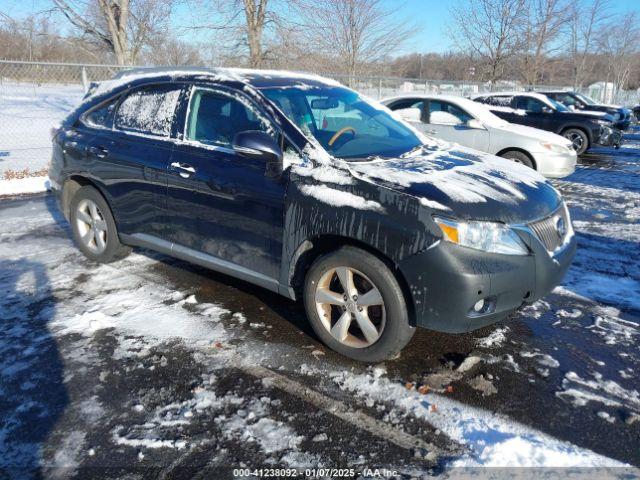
69	189
521	150
583	129
313	248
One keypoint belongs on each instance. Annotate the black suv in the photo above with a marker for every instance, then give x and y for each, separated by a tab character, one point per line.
300	185
621	116
584	129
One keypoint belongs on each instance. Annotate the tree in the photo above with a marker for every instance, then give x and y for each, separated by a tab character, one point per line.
586	22
124	27
353	32
489	29
240	27
545	22
619	42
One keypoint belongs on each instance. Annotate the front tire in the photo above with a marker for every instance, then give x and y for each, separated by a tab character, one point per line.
518	157
93	226
578	139
356	306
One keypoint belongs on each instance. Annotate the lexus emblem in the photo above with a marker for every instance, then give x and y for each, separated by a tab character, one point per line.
561	227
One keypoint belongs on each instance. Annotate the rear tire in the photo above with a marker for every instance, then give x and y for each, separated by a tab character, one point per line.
578	139
368	324
518	157
93	226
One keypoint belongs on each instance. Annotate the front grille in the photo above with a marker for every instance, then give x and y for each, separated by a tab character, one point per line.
547	229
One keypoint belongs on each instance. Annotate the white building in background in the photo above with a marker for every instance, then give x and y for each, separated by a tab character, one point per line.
602	91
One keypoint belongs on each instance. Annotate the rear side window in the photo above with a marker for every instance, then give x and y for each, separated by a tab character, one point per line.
499	100
215	118
150	111
102	116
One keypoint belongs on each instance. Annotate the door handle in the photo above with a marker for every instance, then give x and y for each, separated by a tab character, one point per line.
99	152
184	169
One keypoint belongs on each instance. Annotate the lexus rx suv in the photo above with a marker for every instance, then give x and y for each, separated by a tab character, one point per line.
301	186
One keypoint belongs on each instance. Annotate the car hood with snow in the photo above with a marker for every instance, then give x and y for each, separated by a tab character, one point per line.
464	183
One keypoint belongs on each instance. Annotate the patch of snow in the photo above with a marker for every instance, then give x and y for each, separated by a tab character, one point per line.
494	339
581	391
19	186
492	440
272	436
339	198
433	204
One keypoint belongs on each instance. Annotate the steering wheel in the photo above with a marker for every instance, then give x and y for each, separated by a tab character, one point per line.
339	133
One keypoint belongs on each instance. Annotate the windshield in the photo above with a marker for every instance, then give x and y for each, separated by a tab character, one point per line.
585	99
343	123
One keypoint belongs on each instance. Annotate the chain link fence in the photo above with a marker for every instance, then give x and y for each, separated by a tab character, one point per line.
35	96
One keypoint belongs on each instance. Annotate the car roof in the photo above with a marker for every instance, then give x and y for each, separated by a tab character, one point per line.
256	78
424	96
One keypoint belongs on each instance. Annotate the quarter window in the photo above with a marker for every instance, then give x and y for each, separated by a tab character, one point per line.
150	111
102	116
215	118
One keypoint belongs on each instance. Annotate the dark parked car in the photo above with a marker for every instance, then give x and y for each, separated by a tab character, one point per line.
584	129
621	116
636	112
299	185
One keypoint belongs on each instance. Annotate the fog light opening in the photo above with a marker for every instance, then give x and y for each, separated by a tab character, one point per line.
483	306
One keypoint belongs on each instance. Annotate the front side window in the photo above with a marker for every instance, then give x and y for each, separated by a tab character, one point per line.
214	118
346	125
445	113
150	110
566	99
530	104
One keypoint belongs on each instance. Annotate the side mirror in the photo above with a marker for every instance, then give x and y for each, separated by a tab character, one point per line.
546	109
410	114
475	124
260	146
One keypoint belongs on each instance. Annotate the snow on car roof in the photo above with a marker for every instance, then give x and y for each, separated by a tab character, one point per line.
255	77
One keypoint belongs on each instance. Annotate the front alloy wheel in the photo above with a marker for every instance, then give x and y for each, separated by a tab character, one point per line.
350	307
356	305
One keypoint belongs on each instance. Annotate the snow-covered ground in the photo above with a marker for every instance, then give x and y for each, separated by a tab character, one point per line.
152	363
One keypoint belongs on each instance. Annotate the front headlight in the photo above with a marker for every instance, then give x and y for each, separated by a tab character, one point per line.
487	236
556	147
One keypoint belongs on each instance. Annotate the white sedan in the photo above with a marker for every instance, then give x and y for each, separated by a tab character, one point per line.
463	121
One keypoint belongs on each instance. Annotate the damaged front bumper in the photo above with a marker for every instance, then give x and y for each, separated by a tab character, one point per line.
456	289
610	137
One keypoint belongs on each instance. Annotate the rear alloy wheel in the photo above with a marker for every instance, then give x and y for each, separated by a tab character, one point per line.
356	306
579	140
93	226
518	157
